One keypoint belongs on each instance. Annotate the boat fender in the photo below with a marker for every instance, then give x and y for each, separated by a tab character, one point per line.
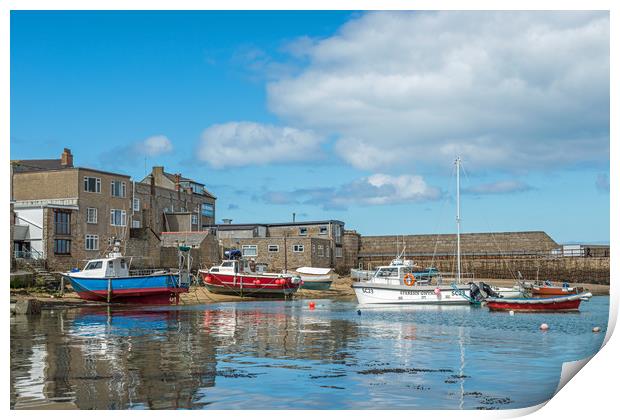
596	329
437	291
544	327
409	279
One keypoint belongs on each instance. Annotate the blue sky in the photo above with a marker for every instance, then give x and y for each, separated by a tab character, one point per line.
333	115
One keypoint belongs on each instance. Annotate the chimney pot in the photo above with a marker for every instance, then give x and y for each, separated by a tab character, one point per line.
66	159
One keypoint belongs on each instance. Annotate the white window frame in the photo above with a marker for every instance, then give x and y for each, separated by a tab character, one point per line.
94	242
123	217
194	219
247	247
97	184
323	230
92	221
338	252
277	248
305	231
298	248
135	224
122	186
319	251
136	204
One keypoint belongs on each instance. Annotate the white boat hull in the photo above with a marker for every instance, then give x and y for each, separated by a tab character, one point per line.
508	292
368	293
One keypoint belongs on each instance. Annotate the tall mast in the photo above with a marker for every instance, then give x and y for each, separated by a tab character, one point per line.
458	219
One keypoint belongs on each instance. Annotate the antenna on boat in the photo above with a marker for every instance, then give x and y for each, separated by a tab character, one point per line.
458	219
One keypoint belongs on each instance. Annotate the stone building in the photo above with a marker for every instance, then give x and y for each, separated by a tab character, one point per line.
168	202
287	245
205	250
68	214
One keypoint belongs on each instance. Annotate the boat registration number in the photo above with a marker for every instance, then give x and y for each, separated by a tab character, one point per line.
367	290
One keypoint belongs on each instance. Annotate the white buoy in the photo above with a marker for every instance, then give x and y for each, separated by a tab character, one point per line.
596	329
544	327
512	313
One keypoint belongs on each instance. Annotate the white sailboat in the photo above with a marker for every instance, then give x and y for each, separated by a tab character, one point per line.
397	283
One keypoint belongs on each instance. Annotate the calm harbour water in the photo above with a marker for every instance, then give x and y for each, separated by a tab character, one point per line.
282	355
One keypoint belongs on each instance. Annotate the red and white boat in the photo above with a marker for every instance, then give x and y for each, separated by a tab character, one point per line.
240	277
544	304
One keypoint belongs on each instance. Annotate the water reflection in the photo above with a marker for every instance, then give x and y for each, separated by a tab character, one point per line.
282	355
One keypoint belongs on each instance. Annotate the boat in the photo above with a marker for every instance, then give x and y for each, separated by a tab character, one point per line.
402	283
540	304
239	276
397	284
515	291
315	278
549	289
109	280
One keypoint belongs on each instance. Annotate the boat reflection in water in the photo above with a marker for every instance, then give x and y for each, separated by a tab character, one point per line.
284	355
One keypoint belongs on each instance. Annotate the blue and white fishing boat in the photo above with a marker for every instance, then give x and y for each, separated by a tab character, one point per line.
109	280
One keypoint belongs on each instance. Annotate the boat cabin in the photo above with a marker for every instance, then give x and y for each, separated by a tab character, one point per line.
106	267
395	273
237	266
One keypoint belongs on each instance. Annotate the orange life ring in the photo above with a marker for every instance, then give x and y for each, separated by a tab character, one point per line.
409	279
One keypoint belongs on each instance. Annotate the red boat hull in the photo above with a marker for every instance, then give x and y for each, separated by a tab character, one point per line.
163	296
569	305
553	291
249	284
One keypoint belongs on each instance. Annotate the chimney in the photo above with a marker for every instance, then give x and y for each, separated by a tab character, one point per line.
66	159
177	181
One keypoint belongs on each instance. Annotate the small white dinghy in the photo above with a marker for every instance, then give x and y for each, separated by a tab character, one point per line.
315	278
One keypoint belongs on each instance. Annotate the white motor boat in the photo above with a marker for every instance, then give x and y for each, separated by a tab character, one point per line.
399	284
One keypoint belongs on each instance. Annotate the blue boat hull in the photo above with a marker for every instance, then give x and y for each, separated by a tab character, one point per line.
153	289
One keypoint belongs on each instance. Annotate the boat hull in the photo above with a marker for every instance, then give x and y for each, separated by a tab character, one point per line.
368	293
249	284
154	289
552	291
557	304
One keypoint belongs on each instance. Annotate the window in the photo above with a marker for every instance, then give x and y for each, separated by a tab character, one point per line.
338	252
303	231
249	250
118	188
135	223
208	210
118	217
62	222
92	242
322	230
92	184
298	248
313	248
273	248
194	219
93	265
320	250
91	215
62	246
136	204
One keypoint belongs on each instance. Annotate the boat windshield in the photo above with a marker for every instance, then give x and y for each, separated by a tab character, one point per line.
93	265
387	272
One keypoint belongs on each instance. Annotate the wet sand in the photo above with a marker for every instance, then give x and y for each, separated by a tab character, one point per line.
340	289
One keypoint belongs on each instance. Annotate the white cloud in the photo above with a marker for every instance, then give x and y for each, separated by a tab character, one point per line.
154	146
377	189
499	187
514	90
248	143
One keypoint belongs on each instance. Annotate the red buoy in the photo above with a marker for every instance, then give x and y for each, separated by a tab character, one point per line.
311	305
